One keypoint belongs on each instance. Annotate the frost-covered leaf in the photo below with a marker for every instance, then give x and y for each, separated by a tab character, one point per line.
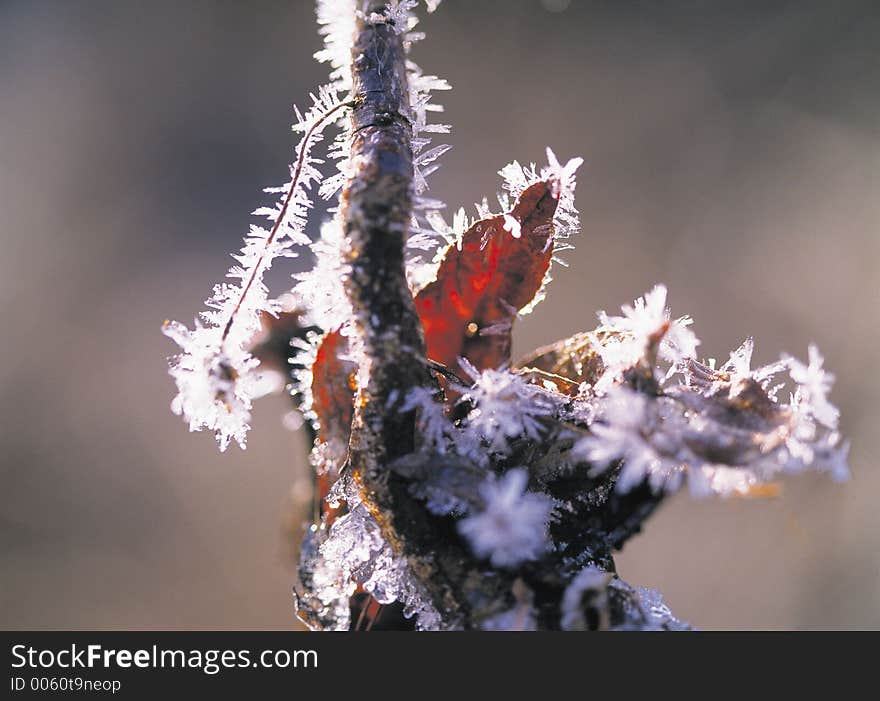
484	281
722	432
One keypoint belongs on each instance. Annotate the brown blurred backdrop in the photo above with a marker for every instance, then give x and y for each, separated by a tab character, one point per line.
732	151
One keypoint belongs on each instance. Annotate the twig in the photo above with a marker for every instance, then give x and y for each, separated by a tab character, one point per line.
294	181
376	210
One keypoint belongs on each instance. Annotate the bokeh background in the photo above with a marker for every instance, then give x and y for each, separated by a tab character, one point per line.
732	151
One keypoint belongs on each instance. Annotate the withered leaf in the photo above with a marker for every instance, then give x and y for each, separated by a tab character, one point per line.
333	385
575	358
468	311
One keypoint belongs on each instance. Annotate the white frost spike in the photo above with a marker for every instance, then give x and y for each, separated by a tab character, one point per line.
434	426
642	323
740	361
398	14
215	373
419	271
512	527
319	292
336	23
814	383
562	176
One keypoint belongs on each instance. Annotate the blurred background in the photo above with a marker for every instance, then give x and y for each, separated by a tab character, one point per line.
732	151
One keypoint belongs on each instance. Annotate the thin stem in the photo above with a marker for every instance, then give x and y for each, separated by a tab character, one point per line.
297	172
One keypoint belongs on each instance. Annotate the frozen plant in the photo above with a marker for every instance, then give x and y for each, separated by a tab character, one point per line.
459	488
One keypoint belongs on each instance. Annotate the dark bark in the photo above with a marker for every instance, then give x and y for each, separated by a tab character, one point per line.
376	209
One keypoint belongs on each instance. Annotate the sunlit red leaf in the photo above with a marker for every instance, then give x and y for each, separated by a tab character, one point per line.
468	311
333	388
333	383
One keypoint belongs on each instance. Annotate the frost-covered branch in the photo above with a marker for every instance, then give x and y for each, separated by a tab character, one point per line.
217	377
457	488
376	213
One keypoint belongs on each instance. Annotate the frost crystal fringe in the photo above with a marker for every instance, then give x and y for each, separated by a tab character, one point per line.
216	376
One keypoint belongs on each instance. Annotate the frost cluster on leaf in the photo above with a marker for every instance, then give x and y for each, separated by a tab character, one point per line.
645	326
722	431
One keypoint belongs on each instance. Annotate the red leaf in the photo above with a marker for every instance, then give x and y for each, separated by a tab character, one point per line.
333	383
468	311
333	387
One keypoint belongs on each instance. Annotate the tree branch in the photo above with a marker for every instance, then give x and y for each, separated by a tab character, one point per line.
376	210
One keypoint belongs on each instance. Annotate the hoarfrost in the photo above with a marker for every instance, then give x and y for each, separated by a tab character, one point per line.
512	526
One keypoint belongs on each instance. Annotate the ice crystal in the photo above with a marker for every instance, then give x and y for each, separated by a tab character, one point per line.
814	383
319	292
596	599
631	430
512	525
512	225
324	585
642	609
353	552
434	426
336	23
505	406
645	323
